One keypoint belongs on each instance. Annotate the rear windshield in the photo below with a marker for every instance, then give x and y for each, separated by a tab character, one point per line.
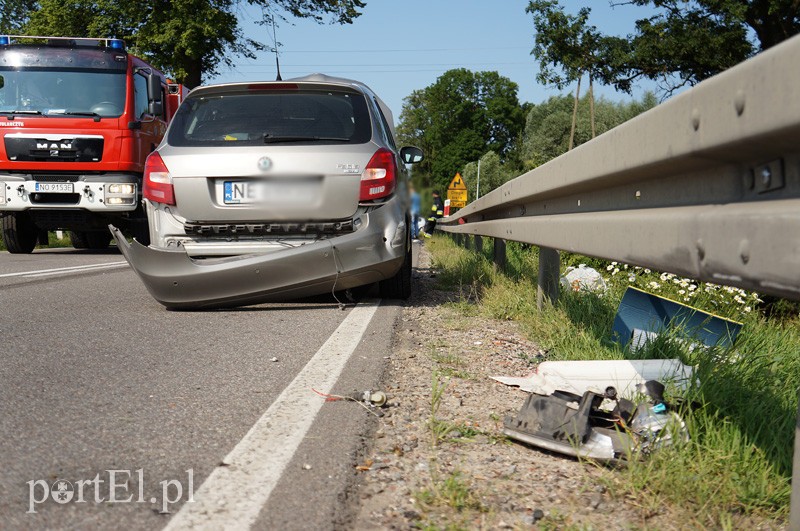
298	117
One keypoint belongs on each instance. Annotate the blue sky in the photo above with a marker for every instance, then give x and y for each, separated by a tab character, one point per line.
398	46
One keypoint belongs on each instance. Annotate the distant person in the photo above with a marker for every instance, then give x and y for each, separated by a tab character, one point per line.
416	207
437	211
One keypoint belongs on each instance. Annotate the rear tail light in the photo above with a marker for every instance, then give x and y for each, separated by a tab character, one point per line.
379	177
157	181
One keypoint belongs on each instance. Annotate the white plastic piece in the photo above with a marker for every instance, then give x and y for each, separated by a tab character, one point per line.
583	278
595	375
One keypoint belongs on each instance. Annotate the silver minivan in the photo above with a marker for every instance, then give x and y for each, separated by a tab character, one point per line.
275	190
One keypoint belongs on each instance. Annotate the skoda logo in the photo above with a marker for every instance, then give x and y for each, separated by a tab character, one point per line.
264	163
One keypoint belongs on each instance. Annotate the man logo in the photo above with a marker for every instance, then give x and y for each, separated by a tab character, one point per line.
264	164
54	145
62	491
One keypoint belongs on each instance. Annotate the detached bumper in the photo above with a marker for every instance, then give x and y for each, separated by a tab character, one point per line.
372	253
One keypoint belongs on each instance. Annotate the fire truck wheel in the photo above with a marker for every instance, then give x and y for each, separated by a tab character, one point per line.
19	233
90	240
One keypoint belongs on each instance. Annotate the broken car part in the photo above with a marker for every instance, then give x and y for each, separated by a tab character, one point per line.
577	377
579	426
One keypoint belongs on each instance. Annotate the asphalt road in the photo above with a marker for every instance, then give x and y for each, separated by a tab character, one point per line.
96	377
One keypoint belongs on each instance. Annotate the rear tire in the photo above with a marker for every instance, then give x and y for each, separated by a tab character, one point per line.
19	233
90	240
398	286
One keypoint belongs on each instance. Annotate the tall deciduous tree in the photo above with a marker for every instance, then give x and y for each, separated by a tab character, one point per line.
547	127
493	173
13	14
458	118
568	48
684	42
187	38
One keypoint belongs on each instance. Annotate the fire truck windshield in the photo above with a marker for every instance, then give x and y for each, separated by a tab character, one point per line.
67	92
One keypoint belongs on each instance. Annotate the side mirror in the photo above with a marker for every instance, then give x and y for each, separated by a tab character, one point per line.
154	95
411	154
156	108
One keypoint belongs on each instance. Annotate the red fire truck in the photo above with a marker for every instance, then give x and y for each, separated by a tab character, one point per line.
78	118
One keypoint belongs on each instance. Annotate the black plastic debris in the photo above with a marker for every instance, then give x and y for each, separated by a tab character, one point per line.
599	426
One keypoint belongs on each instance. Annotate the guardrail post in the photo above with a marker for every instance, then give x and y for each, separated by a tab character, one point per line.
499	254
794	504
458	239
549	271
467	242
479	244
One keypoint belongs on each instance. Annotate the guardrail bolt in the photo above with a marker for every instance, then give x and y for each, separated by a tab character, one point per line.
738	102
701	250
744	251
766	176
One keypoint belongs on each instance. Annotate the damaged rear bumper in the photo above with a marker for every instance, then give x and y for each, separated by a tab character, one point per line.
176	280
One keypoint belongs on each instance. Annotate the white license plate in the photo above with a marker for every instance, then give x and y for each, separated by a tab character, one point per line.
54	188
283	192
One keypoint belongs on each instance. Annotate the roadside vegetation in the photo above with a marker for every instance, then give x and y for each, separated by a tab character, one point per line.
53	241
737	466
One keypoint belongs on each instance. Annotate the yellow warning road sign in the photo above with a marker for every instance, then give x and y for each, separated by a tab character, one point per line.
457	192
457	183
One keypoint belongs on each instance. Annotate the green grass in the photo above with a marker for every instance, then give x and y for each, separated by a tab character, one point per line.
451	491
738	463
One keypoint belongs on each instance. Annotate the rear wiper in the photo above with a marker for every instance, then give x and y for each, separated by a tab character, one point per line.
270	139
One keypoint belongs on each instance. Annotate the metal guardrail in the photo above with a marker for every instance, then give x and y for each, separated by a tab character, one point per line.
706	185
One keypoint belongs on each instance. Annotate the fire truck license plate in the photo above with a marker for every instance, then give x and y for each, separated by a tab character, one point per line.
54	188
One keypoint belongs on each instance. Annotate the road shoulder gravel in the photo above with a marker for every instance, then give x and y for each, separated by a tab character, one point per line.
448	465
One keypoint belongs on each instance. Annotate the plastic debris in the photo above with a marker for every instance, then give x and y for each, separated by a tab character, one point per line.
577	377
600	426
642	316
583	278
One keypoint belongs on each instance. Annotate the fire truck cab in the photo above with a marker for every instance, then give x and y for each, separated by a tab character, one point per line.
78	118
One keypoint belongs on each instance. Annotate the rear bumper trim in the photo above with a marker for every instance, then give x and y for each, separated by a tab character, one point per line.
178	281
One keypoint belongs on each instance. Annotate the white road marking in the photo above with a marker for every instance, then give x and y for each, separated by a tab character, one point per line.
233	495
61	270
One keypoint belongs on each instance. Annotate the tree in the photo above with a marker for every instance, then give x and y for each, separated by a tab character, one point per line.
568	48
682	44
493	174
458	118
13	14
548	125
186	38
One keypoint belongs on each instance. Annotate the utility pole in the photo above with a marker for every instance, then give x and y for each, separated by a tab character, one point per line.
478	186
